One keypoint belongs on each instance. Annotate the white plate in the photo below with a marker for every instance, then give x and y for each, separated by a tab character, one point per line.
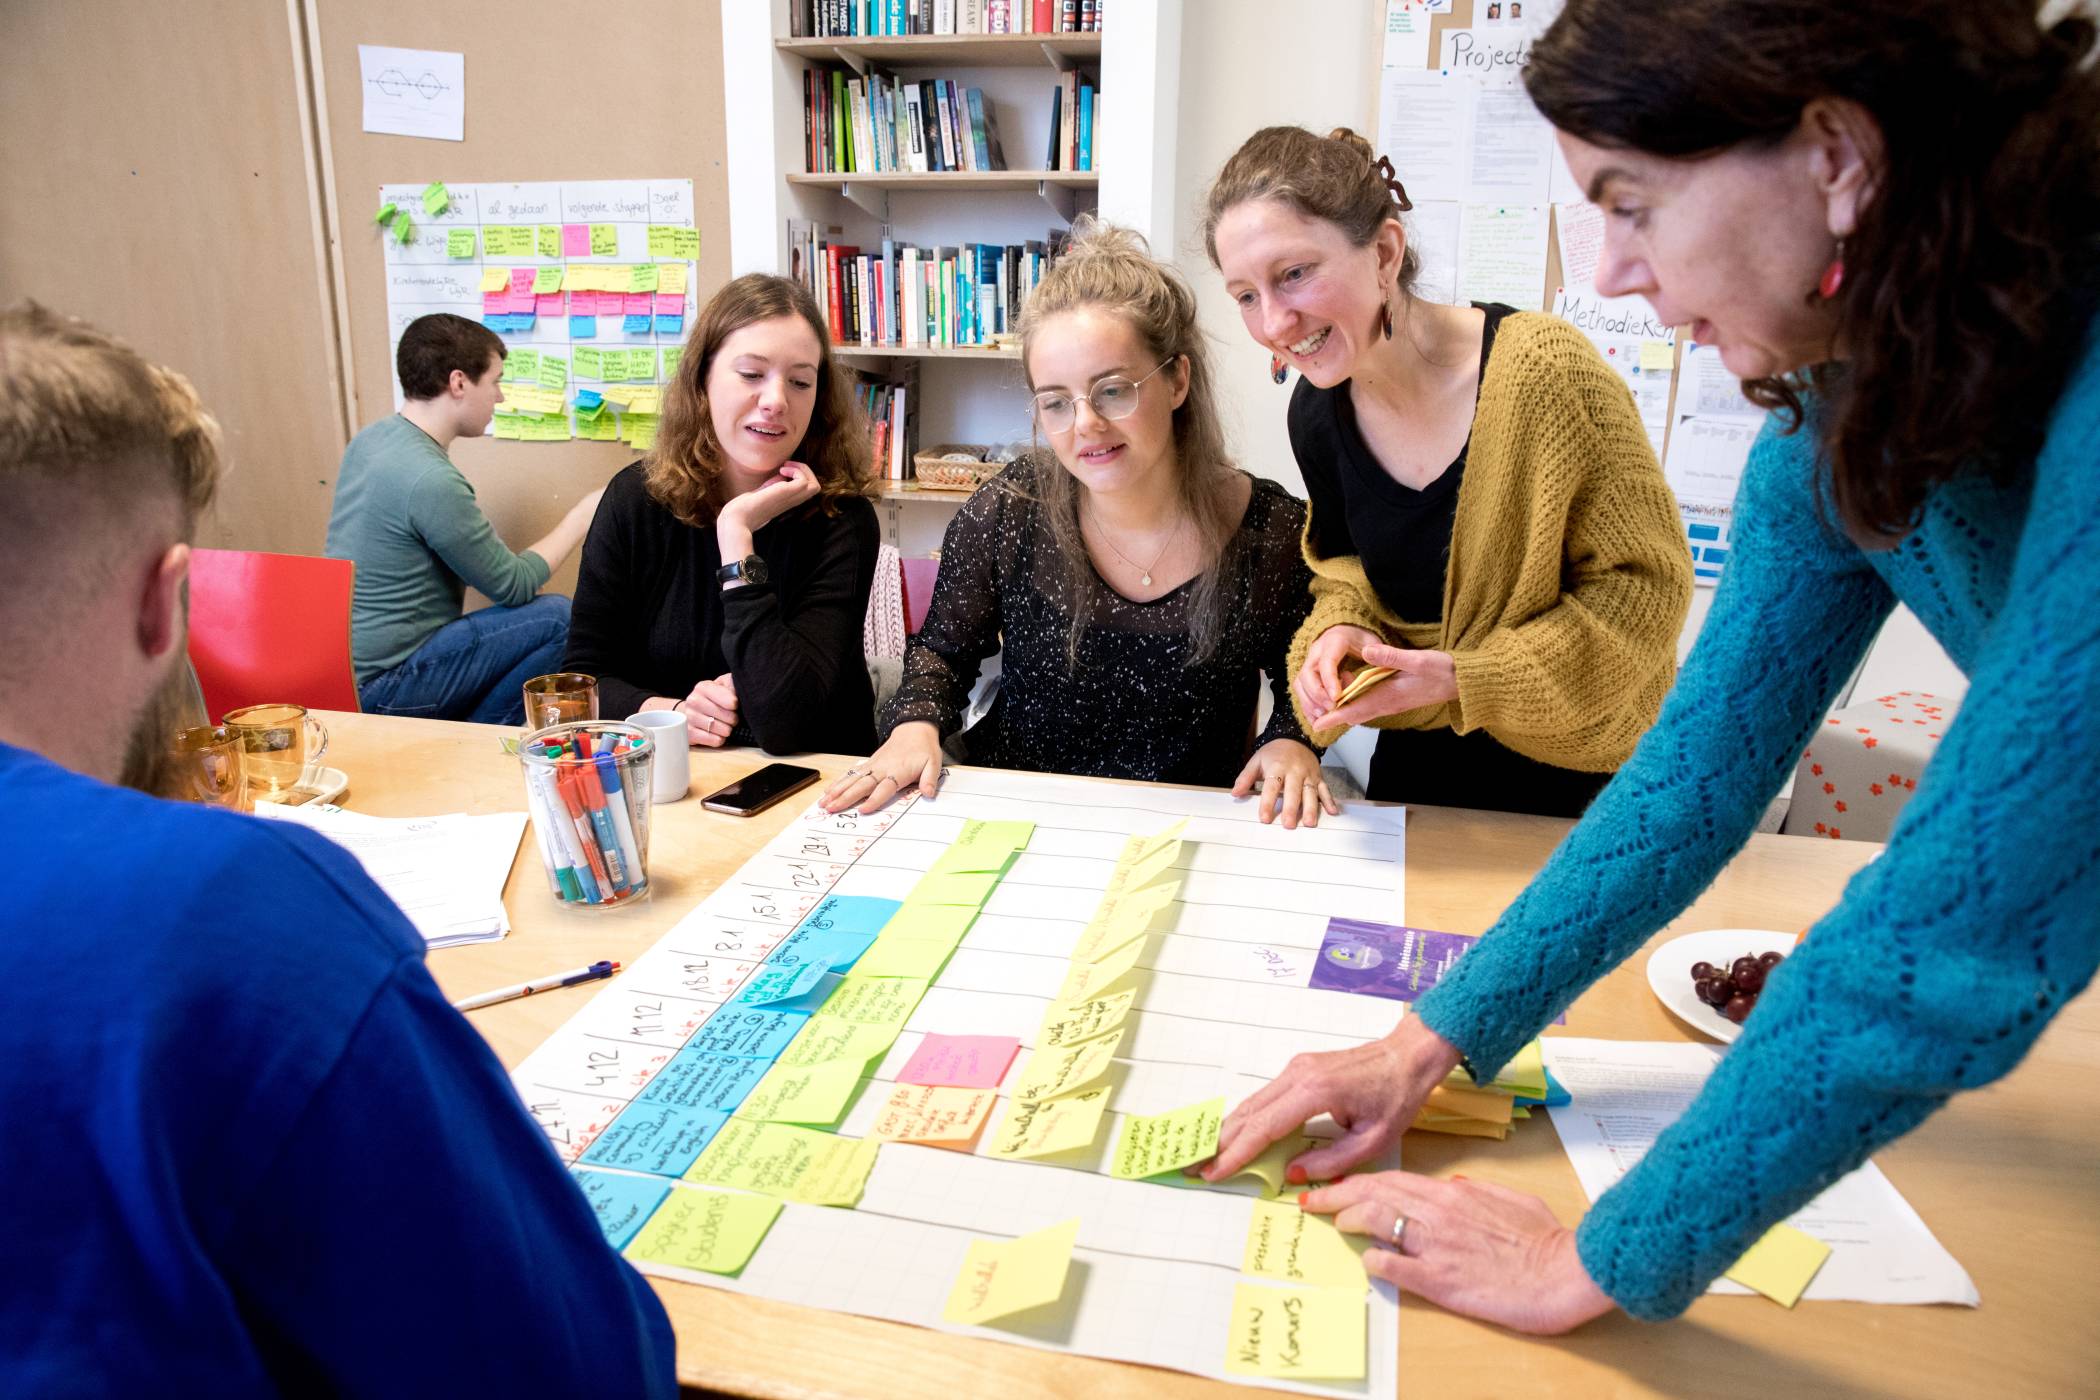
328	785
1670	972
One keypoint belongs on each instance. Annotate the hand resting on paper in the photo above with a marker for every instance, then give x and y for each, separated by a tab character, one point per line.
1470	1246
911	755
1285	775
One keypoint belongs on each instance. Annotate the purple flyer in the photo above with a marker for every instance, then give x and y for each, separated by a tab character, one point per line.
1386	960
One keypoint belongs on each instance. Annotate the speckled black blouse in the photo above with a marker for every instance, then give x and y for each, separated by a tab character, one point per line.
1134	708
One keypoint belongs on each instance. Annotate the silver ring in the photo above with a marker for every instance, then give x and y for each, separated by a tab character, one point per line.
1399	1231
856	772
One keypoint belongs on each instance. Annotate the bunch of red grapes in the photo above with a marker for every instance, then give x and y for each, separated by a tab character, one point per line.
1734	993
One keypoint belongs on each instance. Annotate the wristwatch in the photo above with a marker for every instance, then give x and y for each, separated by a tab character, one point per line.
749	569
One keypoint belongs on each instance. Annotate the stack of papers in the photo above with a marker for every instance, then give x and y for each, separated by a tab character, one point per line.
446	873
1464	1109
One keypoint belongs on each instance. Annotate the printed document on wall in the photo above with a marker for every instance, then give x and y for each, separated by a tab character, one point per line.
1709	444
1502	254
414	92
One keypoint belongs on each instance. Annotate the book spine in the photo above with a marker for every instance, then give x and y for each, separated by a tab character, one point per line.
1068	144
1086	129
1067	16
973	16
835	303
947	126
1057	106
944	16
914	135
1042	16
838	121
1086	16
979	147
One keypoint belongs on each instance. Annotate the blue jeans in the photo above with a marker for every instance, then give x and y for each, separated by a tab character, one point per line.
476	667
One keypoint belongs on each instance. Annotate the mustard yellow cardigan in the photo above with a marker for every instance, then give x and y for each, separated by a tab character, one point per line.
1569	575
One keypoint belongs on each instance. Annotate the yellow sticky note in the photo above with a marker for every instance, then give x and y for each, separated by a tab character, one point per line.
641	278
983	846
931	923
1269	1168
1000	1277
549	240
670	279
1144	845
903	957
1296	1333
1142	870
616	394
495	279
970	889
1167	1142
646	398
875	1001
1466	1101
1781	1265
824	1038
795	1164
716	1231
546	280
605	240
1658	354
507	427
1525	1073
1052	1073
932	1114
1123	917
802	1093
1090	979
1068	1023
1049	1126
1286	1243
641	430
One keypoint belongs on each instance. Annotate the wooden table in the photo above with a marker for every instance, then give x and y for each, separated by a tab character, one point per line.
2008	1178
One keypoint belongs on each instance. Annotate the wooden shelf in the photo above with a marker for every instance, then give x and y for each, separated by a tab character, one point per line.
1059	51
912	491
958	180
988	353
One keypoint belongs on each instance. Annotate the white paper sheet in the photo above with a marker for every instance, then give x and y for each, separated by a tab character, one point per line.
1433	225
1625	1093
1502	254
1406	34
446	873
414	92
1424	126
1222	1006
1709	445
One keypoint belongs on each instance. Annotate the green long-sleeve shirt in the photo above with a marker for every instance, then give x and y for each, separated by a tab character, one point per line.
409	521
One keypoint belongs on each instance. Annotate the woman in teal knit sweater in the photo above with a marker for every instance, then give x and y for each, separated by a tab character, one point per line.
1886	214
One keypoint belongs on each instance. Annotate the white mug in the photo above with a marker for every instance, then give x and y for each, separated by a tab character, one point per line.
672	773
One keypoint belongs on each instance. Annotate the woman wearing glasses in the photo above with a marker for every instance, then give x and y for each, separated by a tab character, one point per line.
1486	517
1136	583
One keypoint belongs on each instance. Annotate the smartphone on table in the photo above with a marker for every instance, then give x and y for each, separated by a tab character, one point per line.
754	792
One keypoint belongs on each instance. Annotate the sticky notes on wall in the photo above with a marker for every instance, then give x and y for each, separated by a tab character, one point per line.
459	243
1003	1277
435	198
605	240
620	1202
1049	1126
670	241
1293	1246
961	1061
714	1231
1166	1142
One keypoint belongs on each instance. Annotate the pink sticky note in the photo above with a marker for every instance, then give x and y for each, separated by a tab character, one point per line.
521	280
575	240
550	304
961	1061
638	304
670	304
495	303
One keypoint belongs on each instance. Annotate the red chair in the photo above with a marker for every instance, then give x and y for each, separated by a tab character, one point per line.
271	627
918	591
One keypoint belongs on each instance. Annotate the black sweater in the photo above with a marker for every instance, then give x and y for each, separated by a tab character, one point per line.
651	619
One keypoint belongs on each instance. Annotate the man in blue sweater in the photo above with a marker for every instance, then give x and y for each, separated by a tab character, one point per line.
409	521
251	1150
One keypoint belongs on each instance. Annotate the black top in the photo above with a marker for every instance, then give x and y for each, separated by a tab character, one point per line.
1403	536
1135	707
650	619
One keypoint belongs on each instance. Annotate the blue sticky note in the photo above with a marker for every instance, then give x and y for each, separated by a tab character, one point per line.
660	1138
736	1030
857	913
671	325
583	328
588	398
708	1079
813	1000
1703	532
636	325
1712	555
780	980
623	1203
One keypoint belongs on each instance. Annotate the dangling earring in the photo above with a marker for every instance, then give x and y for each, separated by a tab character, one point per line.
1832	279
1385	317
1277	370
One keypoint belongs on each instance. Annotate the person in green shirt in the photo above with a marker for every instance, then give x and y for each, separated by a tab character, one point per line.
409	521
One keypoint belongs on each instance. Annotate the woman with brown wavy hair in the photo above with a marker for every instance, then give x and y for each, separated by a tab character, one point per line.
726	574
1886	214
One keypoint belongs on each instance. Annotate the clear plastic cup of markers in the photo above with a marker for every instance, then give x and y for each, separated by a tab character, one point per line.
587	787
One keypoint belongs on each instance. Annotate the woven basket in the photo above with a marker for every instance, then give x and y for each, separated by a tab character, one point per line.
936	474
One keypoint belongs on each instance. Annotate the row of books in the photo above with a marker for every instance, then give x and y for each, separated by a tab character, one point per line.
908	296
841	19
878	123
1075	115
891	409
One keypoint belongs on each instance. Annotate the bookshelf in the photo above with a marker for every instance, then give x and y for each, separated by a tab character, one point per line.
964	393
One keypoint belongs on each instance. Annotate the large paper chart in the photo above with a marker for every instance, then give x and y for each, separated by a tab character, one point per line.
589	282
1204	1005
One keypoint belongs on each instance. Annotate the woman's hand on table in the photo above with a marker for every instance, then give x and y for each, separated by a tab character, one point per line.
710	711
1470	1246
1288	776
1371	1091
911	755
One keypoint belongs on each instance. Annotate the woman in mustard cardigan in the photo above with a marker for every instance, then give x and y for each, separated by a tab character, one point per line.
1487	519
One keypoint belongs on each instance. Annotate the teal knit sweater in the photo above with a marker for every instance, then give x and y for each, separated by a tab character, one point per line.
1946	957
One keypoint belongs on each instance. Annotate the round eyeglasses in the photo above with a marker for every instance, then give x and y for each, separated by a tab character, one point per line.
1111	398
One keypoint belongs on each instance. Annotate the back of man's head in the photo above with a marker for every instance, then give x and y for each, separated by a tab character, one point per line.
106	460
435	345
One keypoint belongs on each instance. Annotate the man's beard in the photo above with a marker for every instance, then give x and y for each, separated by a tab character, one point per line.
149	757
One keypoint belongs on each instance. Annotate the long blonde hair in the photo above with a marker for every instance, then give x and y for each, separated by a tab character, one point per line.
1111	267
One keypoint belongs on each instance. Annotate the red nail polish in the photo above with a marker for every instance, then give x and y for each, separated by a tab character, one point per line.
1303	1197
1294	1174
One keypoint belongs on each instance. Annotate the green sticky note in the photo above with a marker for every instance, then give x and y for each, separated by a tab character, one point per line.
521	365
603	427
806	1094
823	1039
553	373
714	1231
385	214
931	923
404	227
641	277
983	846
672	354
685	243
589	363
550	240
435	198
936	888
641	430
903	957
545	280
875	1001
605	240
459	243
794	1164
1167	1142
662	240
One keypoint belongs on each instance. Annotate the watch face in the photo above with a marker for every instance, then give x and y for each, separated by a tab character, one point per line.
755	569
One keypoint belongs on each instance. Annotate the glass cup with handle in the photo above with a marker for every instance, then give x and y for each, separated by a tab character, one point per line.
209	766
283	746
565	697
